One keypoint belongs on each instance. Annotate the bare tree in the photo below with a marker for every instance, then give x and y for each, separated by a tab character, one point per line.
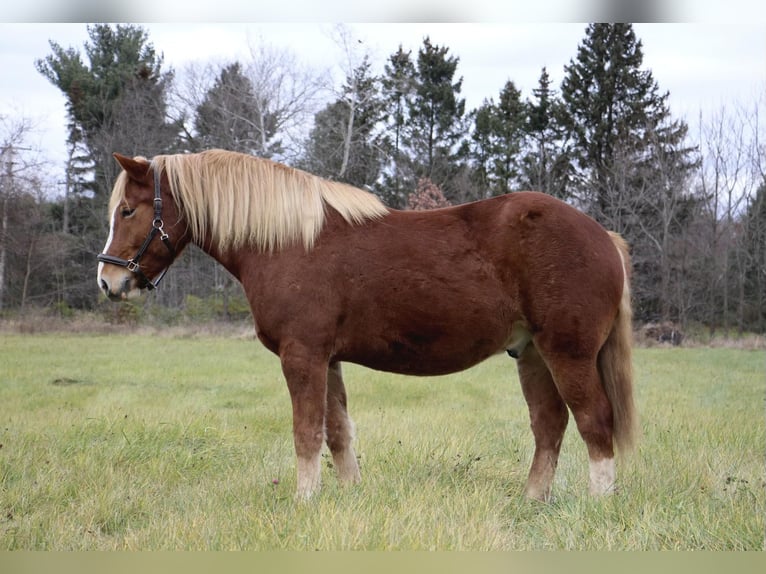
41	248
271	96
17	166
287	94
751	243
663	210
728	178
261	106
344	143
354	56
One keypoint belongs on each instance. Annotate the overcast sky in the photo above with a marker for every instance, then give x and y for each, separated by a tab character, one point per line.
704	65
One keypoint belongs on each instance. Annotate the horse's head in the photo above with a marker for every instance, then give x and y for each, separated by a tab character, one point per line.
146	232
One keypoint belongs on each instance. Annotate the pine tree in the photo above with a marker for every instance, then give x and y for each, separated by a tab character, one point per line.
116	102
630	157
436	117
546	162
482	147
397	88
497	141
511	115
612	105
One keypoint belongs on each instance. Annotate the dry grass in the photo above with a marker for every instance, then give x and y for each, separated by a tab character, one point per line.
109	321
42	322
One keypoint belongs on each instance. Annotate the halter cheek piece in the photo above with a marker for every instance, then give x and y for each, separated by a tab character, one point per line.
132	265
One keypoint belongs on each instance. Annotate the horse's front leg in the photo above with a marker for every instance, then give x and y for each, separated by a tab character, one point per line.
307	382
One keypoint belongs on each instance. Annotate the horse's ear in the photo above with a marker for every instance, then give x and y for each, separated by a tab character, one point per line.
137	168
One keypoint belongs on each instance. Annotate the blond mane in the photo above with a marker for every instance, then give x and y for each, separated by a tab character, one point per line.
240	200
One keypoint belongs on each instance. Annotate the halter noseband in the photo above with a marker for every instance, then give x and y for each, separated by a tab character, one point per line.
132	265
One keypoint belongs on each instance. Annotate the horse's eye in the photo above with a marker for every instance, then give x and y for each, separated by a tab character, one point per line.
127	212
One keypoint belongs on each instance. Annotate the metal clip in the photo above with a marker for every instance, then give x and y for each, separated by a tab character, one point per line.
158	225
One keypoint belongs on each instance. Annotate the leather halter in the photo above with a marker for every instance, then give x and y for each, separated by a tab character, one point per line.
132	265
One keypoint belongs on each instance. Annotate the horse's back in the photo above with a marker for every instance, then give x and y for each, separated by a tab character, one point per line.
558	269
419	294
438	291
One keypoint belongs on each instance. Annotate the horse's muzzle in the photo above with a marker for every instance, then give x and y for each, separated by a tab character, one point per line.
119	288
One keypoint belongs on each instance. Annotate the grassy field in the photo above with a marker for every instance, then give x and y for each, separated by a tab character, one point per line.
150	442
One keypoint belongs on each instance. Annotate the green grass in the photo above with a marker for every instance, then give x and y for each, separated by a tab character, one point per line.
149	442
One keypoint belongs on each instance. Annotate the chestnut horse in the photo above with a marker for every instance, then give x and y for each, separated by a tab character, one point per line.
333	275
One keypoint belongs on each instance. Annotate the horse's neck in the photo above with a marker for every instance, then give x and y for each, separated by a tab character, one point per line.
229	259
238	261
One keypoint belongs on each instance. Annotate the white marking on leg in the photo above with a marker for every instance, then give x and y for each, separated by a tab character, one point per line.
345	460
309	477
109	239
602	476
541	475
537	492
347	466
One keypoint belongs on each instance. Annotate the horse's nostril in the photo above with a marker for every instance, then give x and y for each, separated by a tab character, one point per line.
104	286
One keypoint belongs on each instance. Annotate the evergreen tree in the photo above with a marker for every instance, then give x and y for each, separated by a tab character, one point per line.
397	88
436	118
115	102
510	135
612	106
497	141
630	156
482	147
546	161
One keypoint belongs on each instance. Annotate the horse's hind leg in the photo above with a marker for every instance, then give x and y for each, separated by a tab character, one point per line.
548	415
340	428
579	383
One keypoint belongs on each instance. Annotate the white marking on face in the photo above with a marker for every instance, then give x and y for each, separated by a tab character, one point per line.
109	239
602	476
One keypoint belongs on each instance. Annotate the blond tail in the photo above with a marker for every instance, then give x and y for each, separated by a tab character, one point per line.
615	364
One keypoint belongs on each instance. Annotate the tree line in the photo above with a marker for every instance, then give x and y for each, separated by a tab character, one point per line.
691	206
